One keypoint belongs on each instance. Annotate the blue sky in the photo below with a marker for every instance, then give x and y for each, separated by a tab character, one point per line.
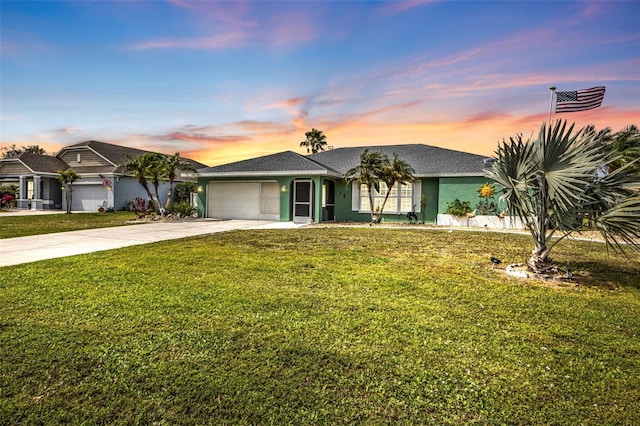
224	81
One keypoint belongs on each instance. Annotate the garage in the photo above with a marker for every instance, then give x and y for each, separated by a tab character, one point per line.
243	200
87	197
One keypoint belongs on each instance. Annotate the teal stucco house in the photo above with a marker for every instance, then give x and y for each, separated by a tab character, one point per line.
310	188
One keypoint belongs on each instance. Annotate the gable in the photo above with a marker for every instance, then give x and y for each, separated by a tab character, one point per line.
13	167
76	158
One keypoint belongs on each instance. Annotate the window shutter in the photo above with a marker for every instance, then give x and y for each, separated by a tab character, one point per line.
417	193
355	196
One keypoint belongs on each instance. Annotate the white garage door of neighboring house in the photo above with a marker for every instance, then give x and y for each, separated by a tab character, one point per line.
243	200
87	197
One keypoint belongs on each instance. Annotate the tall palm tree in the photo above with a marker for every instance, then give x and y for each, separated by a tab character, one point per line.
67	177
368	173
173	164
555	184
138	167
315	141
395	171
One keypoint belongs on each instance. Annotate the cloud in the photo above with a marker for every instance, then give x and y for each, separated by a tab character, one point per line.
223	41
401	6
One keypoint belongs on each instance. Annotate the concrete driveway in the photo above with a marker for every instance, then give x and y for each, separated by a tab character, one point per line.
14	251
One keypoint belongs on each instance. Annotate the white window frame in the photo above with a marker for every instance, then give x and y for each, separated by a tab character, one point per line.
395	205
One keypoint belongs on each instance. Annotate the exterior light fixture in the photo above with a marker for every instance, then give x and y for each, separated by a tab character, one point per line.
284	188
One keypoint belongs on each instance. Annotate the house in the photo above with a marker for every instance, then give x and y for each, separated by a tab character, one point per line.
291	187
102	182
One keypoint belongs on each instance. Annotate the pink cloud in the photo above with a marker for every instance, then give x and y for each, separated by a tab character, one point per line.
222	41
395	7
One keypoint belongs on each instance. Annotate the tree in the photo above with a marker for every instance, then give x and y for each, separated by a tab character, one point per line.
626	143
394	171
157	173
376	168
367	173
173	164
13	151
556	184
315	141
67	177
139	167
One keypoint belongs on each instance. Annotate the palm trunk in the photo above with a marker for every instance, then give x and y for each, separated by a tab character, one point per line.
540	262
374	217
169	195
384	202
68	197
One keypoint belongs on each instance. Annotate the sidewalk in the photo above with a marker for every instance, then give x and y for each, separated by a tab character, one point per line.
15	251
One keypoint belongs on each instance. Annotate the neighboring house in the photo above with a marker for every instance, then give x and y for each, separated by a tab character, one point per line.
37	179
101	184
291	187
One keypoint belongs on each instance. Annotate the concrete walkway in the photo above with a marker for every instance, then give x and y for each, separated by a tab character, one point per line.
14	251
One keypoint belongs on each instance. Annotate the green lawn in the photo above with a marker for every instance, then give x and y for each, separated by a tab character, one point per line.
320	326
22	226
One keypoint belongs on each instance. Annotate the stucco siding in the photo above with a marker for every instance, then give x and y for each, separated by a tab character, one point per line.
462	188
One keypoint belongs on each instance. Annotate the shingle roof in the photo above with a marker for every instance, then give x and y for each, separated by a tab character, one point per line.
42	163
116	154
274	164
426	160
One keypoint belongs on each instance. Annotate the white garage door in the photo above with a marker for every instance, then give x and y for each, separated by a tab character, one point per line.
243	200
87	197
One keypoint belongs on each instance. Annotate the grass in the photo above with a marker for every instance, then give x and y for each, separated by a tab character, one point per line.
22	226
320	326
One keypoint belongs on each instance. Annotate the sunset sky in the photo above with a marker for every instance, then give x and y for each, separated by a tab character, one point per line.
225	81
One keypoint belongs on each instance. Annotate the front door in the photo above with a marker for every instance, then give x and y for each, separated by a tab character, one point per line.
302	205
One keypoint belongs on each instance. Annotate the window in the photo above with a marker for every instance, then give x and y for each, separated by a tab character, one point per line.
400	198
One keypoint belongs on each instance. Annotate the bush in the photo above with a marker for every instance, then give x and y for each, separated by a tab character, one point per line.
182	209
458	208
184	190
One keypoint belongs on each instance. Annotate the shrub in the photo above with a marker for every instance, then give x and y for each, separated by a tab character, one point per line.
458	208
184	190
182	209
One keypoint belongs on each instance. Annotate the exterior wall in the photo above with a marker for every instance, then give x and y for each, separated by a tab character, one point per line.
87	158
462	188
13	168
286	196
438	192
429	187
125	190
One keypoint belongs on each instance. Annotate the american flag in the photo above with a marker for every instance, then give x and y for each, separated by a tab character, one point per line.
579	100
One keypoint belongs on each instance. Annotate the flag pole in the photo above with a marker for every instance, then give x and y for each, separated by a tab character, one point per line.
553	91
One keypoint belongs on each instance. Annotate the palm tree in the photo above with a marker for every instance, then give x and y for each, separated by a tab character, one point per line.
368	173
394	171
67	177
627	144
315	141
138	167
555	184
173	164
156	171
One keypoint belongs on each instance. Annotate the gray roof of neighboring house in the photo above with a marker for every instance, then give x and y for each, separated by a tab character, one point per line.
115	154
426	160
282	163
40	163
